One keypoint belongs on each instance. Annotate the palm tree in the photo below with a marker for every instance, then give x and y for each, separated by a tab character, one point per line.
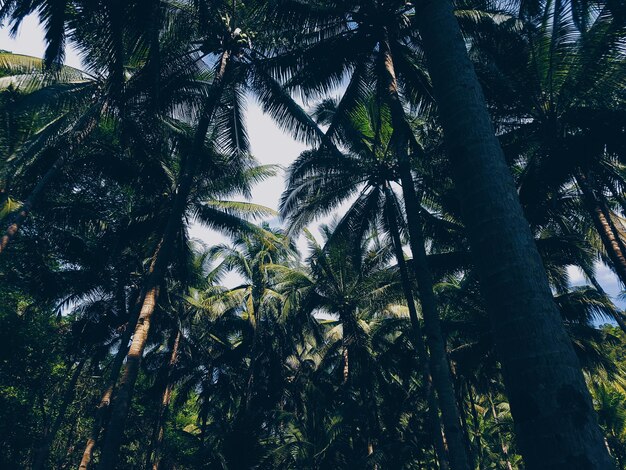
350	279
320	181
569	108
215	213
64	108
372	43
539	363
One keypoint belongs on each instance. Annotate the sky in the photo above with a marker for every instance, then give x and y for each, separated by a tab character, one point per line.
269	146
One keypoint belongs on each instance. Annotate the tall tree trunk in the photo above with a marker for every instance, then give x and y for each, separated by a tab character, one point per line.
405	278
17	219
554	417
460	399
43	450
102	410
602	222
439	367
121	402
155	452
160	260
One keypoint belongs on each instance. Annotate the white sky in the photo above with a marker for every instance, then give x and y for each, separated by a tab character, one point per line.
269	145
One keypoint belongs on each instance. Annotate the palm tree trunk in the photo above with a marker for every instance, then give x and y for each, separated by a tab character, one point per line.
460	399
43	451
121	403
154	454
605	228
439	366
160	260
555	420
346	362
105	401
18	219
477	432
433	408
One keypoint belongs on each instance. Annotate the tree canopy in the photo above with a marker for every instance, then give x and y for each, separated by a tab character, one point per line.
463	158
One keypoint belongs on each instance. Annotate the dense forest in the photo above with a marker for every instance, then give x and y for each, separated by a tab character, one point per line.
410	305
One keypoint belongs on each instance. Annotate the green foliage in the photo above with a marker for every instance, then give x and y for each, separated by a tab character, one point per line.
306	360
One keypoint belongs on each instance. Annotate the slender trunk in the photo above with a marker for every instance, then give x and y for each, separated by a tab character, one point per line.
257	324
503	446
555	420
433	408
70	443
370	451
464	425
346	361
477	433
18	219
121	403
160	260
102	410
439	366
602	222
154	454
43	451
348	337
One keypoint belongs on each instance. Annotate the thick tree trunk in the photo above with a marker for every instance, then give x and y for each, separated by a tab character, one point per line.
554	417
602	222
439	367
43	450
405	278
105	401
155	453
161	258
18	218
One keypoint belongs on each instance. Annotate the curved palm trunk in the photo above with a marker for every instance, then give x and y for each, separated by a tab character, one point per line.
43	451
160	260
554	417
105	401
19	218
439	366
121	403
154	454
604	226
433	407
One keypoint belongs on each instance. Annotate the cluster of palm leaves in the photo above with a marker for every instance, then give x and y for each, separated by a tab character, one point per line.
470	154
